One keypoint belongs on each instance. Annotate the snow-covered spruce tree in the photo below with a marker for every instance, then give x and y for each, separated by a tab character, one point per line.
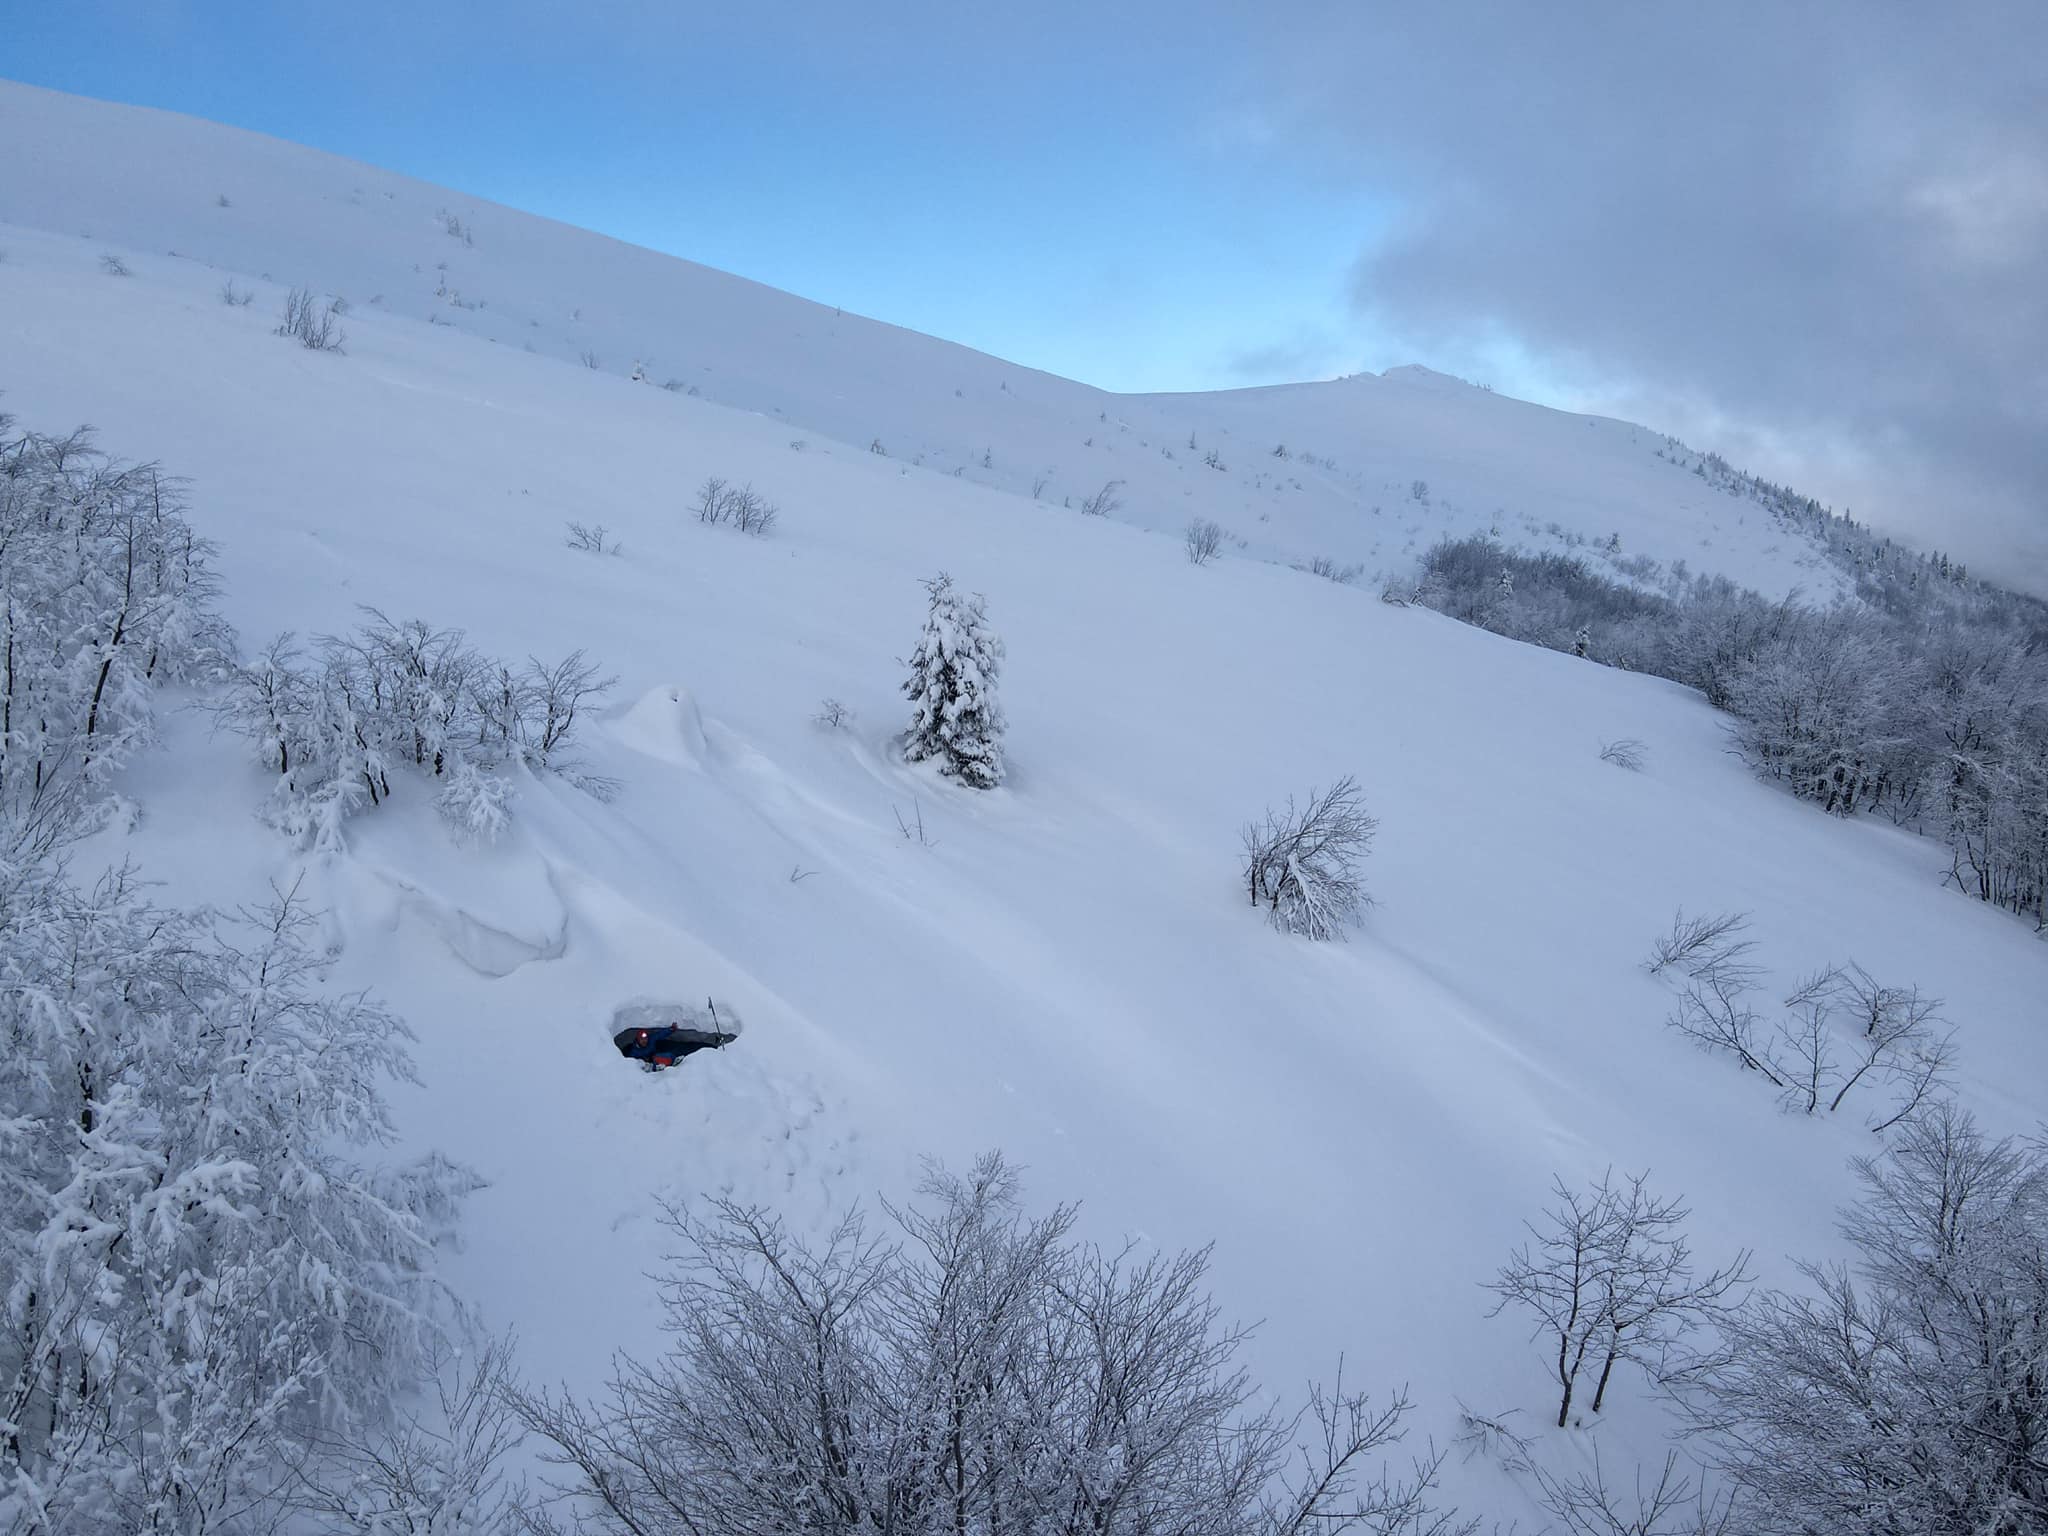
952	684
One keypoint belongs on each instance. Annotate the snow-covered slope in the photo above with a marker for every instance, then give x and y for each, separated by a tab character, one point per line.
1063	968
168	190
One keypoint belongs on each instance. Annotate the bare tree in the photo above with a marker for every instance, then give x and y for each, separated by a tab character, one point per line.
1671	1506
971	1369
742	506
1302	863
1610	1278
1894	1035
1712	1013
560	693
433	1467
832	715
1705	948
1202	539
235	298
113	265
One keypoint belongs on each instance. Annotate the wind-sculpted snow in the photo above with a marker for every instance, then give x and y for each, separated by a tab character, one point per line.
663	723
484	948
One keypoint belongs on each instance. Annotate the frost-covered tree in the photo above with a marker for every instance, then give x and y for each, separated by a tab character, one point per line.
394	697
970	1369
1925	698
1906	1393
105	594
204	1280
1609	1278
198	1272
956	717
1301	863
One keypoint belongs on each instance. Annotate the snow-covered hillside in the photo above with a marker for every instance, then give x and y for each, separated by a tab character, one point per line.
1063	968
172	191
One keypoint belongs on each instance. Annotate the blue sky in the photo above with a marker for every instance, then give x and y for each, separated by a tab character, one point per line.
1083	193
1814	236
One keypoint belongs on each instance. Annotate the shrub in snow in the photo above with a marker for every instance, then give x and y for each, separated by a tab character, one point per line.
1104	501
1626	753
956	718
105	593
311	324
1302	863
833	715
1906	1390
235	298
1330	570
397	697
591	539
970	1370
1202	539
475	804
740	506
201	1279
1610	1278
113	265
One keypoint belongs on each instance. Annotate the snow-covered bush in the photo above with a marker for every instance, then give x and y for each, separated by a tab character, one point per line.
1302	863
1907	1391
832	715
1610	1278
956	717
393	697
105	593
1202	539
971	1370
475	804
199	1276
